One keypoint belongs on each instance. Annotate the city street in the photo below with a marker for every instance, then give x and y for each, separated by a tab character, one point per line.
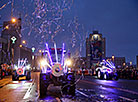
16	91
68	51
88	89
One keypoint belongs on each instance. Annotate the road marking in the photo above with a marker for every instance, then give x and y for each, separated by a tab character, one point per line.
28	91
125	90
128	99
125	98
82	93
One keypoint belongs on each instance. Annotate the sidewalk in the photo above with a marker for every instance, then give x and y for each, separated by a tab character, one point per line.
5	80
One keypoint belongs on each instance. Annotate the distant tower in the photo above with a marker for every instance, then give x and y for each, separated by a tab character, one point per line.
95	48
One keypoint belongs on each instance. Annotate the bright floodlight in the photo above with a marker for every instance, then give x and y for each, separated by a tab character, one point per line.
15	67
68	62
28	67
43	63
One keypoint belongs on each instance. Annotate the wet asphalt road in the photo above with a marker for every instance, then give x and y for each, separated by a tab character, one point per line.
108	90
89	89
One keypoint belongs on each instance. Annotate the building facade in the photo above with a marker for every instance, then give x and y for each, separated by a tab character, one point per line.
95	48
26	53
4	58
12	34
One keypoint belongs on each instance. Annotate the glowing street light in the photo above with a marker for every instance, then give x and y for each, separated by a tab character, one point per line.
7	27
113	58
124	64
13	39
21	46
24	42
40	51
13	20
130	63
33	49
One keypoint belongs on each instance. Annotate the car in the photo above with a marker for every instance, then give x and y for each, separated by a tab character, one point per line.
55	69
21	69
106	70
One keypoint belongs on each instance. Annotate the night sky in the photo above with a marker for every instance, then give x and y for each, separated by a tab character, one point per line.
72	21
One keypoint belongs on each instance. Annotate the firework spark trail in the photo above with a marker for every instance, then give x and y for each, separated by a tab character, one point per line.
5	5
46	20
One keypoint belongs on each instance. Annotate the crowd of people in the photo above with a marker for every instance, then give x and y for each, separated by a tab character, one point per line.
127	73
123	73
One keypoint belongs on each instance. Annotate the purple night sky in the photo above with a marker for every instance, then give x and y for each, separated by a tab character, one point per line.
71	21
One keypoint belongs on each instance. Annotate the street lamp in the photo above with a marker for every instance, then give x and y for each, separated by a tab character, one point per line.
13	39
40	51
7	27
21	46
13	20
124	64
33	49
113	57
24	42
130	63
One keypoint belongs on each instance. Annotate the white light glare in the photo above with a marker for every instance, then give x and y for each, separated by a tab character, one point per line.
15	67
43	62
28	67
68	62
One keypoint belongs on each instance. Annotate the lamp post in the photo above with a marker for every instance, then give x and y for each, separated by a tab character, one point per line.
130	63
7	27
40	51
124	64
13	20
113	58
33	50
23	42
10	27
13	38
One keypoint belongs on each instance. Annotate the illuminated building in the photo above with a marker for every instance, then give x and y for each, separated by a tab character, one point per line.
95	49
